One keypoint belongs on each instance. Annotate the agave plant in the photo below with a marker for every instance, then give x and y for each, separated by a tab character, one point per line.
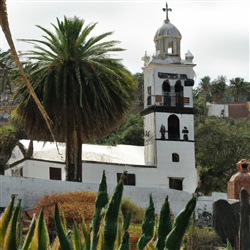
109	230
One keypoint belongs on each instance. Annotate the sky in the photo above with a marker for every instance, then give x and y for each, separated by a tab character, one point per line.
216	32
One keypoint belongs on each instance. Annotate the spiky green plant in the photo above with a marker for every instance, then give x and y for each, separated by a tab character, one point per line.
164	225
111	218
10	239
100	203
181	222
64	241
147	225
4	220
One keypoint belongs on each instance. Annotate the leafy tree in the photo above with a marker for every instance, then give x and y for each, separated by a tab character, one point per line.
130	132
218	88
83	89
9	137
139	79
239	87
219	145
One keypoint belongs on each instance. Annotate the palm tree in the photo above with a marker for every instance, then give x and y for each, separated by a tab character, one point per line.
205	86
83	89
238	87
218	88
4	23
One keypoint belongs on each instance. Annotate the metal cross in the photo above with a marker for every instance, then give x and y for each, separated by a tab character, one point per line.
167	10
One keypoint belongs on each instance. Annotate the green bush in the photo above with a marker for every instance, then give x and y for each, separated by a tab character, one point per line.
202	238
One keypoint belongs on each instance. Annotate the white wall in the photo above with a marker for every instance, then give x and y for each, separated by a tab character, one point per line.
215	110
31	190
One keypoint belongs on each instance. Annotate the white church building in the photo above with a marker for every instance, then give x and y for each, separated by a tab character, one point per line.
167	160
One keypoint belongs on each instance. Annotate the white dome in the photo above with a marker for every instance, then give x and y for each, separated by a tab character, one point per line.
167	30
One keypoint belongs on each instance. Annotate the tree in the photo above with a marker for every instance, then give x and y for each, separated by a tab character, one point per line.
219	145
218	88
238	87
205	87
83	89
130	132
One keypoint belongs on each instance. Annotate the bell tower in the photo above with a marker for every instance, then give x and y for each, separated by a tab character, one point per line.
168	110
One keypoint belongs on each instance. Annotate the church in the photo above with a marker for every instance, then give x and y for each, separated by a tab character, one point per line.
167	159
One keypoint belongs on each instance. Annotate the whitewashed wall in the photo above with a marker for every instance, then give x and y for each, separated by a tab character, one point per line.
31	190
215	110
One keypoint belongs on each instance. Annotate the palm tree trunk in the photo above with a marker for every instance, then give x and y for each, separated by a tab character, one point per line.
73	157
5	27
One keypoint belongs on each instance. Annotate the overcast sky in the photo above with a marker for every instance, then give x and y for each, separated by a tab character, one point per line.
216	32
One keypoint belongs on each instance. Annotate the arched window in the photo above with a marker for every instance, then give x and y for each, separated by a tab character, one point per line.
179	94
175	157
166	93
173	127
166	86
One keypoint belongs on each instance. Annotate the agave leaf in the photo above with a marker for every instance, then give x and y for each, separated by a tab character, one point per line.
100	203
229	246
64	242
40	239
111	218
10	239
86	235
125	242
151	246
119	236
181	222
56	244
126	221
76	239
30	234
4	220
20	228
100	245
147	225
164	225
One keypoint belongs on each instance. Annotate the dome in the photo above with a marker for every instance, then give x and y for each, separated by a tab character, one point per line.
167	30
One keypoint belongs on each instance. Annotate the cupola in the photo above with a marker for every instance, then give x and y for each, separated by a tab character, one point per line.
167	41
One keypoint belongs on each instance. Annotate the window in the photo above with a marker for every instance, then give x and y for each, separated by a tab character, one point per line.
173	127
149	90
55	174
176	183
175	157
170	47
129	179
149	100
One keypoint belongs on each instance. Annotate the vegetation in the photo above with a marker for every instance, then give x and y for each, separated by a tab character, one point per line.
85	91
108	231
220	143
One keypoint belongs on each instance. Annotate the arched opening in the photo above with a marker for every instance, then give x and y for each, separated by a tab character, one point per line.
173	127
175	157
179	94
166	93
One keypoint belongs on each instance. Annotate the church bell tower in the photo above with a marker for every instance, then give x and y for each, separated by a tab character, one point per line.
168	110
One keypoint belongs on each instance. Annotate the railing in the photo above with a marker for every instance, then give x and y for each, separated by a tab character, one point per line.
172	99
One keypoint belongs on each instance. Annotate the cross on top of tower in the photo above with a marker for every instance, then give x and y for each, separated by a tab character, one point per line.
167	10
